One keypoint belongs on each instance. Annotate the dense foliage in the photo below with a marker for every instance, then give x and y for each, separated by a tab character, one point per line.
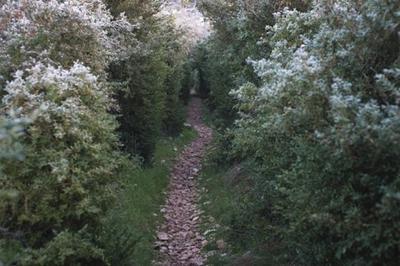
221	61
63	186
305	96
320	129
77	78
151	78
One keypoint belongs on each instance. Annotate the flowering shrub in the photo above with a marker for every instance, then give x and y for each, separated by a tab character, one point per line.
189	21
53	60
64	67
318	128
60	32
238	26
65	182
323	129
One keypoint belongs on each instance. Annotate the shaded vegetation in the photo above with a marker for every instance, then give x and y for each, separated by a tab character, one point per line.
316	134
88	88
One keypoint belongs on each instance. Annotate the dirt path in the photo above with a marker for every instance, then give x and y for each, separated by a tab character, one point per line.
179	239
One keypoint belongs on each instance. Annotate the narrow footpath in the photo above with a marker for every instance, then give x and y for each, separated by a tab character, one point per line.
179	239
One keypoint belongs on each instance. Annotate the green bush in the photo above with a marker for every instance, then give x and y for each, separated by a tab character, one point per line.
323	131
66	180
58	177
175	114
73	70
141	102
221	60
53	32
66	249
319	127
149	81
239	34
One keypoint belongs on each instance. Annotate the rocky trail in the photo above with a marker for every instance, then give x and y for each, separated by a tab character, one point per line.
179	239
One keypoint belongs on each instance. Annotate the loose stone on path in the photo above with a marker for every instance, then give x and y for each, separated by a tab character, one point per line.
179	239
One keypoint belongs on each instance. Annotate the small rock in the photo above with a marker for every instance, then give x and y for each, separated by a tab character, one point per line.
221	244
196	262
185	257
162	236
183	234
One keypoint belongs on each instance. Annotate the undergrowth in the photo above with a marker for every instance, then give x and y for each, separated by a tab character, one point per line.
231	219
229	213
